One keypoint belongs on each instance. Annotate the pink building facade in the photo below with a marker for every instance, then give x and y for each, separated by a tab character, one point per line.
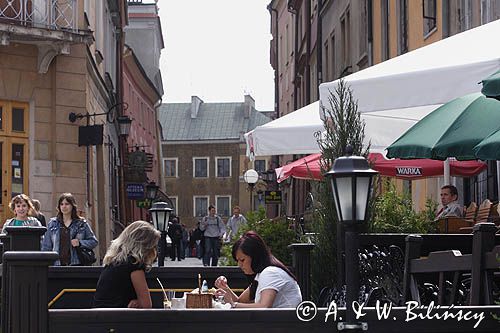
142	98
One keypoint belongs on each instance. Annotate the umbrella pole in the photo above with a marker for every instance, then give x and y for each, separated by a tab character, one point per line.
498	179
446	166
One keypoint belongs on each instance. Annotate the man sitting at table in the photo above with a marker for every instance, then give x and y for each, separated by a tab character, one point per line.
450	206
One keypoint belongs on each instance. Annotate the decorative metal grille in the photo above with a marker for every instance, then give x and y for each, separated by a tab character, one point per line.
50	14
381	278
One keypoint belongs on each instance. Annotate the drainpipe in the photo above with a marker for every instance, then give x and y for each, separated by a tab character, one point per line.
308	54
296	49
275	158
276	59
122	142
319	45
370	33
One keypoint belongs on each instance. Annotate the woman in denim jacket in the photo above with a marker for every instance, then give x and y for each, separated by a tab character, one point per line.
67	231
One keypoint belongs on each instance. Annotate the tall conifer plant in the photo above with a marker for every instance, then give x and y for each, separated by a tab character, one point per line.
342	126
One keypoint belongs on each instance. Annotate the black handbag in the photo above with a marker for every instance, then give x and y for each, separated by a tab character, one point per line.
86	256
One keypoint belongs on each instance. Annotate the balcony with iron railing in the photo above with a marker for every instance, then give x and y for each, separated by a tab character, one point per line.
51	25
47	14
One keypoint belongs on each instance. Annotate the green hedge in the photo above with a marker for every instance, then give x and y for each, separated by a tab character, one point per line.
276	233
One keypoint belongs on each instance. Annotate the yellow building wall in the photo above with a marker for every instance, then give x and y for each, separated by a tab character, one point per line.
424	189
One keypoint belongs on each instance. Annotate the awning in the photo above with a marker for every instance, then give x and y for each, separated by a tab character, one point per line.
309	168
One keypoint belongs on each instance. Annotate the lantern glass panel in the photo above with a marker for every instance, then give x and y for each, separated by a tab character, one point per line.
362	193
335	200
160	219
344	188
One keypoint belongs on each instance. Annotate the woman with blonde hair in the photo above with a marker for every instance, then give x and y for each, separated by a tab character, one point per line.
22	208
67	231
123	280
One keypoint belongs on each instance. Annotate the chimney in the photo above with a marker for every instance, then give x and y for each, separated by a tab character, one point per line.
195	106
249	105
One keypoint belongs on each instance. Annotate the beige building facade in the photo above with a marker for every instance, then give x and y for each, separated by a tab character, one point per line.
60	59
400	26
334	38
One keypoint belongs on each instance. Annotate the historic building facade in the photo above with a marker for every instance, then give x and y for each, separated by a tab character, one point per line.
61	70
204	156
331	39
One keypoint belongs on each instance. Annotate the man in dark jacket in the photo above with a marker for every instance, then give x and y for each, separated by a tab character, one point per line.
175	234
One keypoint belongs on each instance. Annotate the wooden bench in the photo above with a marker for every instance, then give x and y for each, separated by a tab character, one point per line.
485	213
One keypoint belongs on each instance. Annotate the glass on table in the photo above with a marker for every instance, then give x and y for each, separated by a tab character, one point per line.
167	303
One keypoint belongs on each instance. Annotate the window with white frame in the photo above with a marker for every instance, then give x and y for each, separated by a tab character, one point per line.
170	167
200	205
223	205
259	165
223	166
200	167
174	200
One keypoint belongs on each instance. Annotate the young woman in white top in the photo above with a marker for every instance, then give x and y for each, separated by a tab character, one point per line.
272	286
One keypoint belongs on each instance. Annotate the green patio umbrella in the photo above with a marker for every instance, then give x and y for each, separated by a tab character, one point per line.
489	148
452	130
491	86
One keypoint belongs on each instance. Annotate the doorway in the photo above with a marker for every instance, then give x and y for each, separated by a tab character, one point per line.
13	153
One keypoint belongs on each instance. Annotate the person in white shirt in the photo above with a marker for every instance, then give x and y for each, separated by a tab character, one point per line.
273	285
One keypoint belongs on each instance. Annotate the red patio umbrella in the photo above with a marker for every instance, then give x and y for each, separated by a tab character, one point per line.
309	168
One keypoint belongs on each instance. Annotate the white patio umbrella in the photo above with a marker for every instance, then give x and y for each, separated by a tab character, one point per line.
426	78
295	132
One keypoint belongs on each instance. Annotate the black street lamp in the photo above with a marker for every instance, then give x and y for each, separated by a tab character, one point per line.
160	214
351	182
151	191
251	177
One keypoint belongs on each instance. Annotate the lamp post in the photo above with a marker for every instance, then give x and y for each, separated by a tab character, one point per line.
351	183
251	177
160	213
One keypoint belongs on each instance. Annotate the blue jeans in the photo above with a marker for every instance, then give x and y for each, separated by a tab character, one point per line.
212	248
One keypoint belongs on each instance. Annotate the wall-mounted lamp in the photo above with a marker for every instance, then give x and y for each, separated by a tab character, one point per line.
93	134
151	191
124	122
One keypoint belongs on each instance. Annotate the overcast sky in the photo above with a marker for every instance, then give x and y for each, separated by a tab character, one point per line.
217	50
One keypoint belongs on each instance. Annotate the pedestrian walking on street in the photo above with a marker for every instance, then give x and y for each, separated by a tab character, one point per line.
214	229
235	222
67	231
175	234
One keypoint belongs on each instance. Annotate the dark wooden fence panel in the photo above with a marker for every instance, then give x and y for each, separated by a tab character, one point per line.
259	320
72	287
430	242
